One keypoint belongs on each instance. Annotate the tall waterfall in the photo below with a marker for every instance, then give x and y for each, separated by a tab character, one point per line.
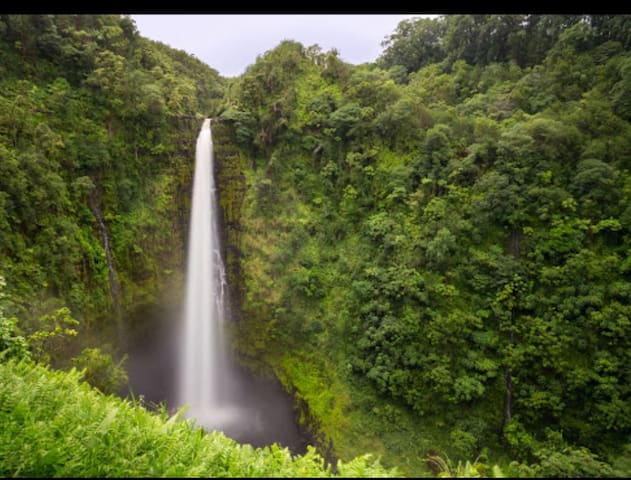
202	375
219	394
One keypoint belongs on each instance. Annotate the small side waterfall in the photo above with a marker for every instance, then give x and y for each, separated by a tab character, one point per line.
114	287
202	375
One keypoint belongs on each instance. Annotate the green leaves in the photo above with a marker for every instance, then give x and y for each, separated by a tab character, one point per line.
12	344
100	370
55	426
49	340
478	204
449	233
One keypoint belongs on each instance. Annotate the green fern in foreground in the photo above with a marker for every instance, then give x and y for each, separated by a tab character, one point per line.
54	425
447	469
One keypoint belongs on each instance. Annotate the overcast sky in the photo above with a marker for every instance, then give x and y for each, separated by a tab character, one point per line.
229	43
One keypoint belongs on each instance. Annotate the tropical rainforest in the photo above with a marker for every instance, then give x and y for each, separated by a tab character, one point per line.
432	252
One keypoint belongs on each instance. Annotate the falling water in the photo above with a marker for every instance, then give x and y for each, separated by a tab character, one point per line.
220	395
202	355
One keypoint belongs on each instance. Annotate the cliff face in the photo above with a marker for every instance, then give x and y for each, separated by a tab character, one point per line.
154	273
231	190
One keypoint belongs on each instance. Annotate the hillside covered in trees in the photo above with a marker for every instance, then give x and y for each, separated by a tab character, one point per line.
432	251
435	247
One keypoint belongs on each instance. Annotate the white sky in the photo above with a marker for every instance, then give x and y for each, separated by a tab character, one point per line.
229	43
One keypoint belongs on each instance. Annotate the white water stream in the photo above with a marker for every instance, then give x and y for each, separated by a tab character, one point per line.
202	376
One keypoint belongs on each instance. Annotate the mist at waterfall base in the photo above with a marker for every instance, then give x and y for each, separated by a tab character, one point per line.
187	361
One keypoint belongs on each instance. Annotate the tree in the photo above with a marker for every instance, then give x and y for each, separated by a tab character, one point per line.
414	44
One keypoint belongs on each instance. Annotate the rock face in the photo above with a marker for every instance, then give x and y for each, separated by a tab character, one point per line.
231	190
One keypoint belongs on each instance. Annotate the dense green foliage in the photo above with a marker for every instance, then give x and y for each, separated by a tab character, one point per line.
55	426
432	252
484	39
436	256
97	129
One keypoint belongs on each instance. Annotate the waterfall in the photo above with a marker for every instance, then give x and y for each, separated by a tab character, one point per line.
114	287
202	375
220	395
